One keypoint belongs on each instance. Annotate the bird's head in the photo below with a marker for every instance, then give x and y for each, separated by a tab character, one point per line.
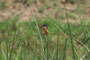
43	25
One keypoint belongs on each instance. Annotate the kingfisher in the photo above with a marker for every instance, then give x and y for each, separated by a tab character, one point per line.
44	29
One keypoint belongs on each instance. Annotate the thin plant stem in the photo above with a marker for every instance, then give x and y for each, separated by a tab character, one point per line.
13	41
70	32
57	47
47	46
65	49
34	16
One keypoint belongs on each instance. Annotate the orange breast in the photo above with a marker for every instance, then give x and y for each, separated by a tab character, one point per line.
46	31
44	27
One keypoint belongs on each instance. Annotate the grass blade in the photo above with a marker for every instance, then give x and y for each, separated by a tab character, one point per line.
65	49
34	16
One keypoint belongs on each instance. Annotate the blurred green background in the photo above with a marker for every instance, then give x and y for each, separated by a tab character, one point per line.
22	38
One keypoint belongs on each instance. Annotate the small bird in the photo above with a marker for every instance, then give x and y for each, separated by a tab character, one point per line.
44	29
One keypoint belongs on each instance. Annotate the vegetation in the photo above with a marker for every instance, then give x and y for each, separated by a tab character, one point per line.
66	40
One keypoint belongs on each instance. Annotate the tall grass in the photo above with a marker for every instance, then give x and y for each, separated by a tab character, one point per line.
39	33
28	46
70	33
65	49
26	41
13	40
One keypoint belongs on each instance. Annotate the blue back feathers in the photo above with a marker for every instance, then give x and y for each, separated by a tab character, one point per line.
44	25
